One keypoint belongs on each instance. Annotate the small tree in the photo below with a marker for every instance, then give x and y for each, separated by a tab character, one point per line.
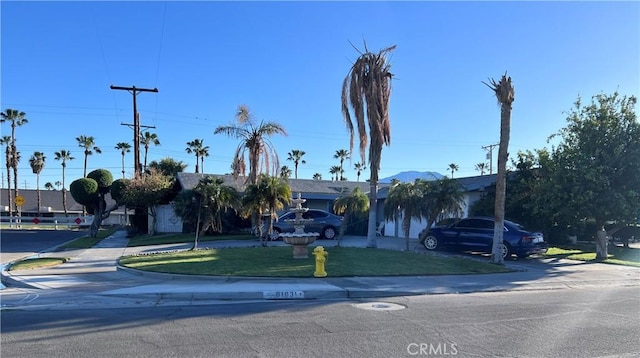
168	166
148	191
216	198
91	192
405	199
350	204
598	161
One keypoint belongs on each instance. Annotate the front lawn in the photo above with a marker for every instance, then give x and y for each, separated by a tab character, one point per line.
145	240
36	263
586	252
278	262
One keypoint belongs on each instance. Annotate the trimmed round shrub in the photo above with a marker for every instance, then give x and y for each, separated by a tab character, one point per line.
117	189
104	179
84	191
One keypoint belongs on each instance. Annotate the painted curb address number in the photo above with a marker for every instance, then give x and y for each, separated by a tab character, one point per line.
282	295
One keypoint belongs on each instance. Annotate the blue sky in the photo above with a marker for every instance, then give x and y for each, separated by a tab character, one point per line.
287	61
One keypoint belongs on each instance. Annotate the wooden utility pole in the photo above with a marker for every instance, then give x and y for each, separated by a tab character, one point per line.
490	155
136	124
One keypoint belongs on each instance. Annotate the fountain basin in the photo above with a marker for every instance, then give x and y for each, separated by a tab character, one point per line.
300	242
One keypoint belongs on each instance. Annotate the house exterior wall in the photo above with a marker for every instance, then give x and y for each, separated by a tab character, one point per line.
394	228
166	220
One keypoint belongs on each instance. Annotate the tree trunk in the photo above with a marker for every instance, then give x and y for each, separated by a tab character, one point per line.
601	242
501	184
373	211
153	214
15	177
406	226
64	201
38	192
10	198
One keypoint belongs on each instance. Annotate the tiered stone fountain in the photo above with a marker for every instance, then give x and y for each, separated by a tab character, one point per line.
299	239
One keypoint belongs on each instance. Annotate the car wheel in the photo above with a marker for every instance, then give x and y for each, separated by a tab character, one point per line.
431	242
276	233
329	233
505	249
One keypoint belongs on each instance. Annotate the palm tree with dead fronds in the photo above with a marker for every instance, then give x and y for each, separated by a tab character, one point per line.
367	89
254	142
505	93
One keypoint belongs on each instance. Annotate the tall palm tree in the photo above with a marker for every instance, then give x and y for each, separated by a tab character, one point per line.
204	152
58	184
124	148
335	170
37	162
6	140
454	168
317	176
296	155
367	89
88	144
349	204
254	141
49	186
481	167
63	155
405	200
342	154
17	119
359	167
147	138
505	93
195	146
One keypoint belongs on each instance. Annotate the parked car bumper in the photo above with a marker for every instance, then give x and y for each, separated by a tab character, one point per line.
530	250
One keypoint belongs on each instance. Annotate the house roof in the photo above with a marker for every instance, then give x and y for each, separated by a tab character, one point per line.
310	188
478	183
51	201
469	184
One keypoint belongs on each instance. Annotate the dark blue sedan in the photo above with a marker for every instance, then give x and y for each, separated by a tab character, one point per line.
476	234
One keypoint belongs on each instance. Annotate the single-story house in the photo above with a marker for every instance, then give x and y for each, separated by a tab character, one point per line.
319	194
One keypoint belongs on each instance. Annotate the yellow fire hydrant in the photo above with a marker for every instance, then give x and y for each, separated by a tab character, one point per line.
321	258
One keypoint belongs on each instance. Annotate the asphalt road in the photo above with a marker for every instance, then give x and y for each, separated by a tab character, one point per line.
558	323
16	244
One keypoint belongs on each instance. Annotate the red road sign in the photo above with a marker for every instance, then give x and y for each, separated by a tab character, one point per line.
36	221
78	221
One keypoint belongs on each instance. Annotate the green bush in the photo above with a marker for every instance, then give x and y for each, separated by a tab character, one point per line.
84	191
104	179
117	189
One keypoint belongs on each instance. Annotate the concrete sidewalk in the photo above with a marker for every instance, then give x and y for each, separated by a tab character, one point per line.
94	271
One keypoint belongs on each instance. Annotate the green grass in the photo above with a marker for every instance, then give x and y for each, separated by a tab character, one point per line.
37	263
181	238
278	262
86	242
581	252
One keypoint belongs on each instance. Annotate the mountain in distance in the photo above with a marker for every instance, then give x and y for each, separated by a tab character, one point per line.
410	176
